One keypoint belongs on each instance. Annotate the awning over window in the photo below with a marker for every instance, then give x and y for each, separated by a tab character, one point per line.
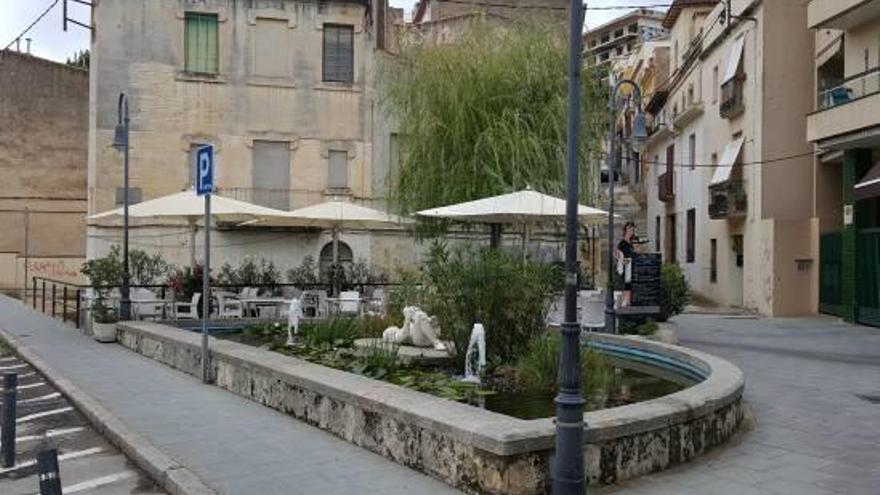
728	158
829	51
869	186
735	57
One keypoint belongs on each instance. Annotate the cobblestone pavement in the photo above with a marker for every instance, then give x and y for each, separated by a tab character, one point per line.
87	463
813	387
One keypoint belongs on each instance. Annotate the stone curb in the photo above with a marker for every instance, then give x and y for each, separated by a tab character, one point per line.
173	477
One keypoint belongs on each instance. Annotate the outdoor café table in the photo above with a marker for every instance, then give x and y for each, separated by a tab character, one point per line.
253	303
334	304
136	304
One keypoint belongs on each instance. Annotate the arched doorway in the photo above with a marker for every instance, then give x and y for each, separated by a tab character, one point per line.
325	261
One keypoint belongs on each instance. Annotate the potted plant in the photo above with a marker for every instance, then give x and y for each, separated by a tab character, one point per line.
103	321
103	273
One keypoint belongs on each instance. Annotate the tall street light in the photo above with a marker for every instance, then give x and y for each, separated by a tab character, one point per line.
120	142
638	142
568	464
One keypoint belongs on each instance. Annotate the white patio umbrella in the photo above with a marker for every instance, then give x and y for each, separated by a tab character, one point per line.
527	207
186	205
332	215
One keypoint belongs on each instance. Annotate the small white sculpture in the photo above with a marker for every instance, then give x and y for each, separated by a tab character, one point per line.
293	317
477	344
418	329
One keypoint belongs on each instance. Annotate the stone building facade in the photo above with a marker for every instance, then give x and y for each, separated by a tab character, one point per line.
43	154
731	186
284	90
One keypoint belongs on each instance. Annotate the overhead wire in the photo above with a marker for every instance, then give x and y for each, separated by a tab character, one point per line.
34	23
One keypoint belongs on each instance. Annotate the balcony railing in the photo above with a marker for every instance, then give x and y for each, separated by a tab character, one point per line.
732	97
665	187
858	86
728	200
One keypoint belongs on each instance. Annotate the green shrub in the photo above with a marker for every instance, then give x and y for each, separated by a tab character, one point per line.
409	292
184	282
250	273
673	291
334	332
144	268
378	361
371	326
305	274
509	296
538	368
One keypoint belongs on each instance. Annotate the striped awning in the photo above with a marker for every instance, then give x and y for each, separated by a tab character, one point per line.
869	186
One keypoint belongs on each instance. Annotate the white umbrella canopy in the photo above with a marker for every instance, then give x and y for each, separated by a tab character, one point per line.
522	207
186	205
332	215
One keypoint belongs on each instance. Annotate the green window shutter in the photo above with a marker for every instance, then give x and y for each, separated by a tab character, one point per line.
338	53
201	40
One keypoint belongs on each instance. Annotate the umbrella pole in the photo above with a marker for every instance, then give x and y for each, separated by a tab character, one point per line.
193	228
335	261
525	240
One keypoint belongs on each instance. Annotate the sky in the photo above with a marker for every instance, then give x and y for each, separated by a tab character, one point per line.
50	41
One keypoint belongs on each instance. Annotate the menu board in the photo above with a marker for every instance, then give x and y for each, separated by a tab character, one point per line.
646	279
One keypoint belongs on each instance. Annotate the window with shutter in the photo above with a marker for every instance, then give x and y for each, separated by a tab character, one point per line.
270	48
338	54
200	39
337	172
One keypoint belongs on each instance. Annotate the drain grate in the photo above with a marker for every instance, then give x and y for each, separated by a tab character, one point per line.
872	398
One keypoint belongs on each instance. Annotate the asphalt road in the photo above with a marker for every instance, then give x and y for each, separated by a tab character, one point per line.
45	420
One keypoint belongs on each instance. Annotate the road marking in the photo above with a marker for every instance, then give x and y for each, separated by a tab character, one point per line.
64	457
43	414
96	482
49	434
14	367
31	385
53	395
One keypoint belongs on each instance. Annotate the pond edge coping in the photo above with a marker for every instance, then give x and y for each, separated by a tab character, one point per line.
493	432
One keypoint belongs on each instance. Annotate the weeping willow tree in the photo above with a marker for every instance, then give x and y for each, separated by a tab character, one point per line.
487	115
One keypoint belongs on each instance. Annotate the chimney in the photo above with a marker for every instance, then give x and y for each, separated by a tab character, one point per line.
18	45
28	40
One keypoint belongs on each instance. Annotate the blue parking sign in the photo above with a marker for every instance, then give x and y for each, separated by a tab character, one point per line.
205	170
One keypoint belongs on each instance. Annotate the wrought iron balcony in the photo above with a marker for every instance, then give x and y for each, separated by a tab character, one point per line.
728	200
665	187
732	103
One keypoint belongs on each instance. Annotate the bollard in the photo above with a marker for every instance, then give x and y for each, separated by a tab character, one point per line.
7	420
50	476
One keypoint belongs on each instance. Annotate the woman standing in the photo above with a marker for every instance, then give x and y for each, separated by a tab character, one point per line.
626	251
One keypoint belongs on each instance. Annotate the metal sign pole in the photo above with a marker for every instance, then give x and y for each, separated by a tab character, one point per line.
206	289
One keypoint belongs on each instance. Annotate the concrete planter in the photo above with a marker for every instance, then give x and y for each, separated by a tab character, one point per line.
104	332
471	449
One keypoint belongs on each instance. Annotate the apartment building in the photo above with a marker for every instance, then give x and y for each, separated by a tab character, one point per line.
284	90
616	39
730	199
844	125
43	127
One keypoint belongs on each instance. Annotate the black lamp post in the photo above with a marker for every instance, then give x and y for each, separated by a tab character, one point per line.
638	141
568	464
120	142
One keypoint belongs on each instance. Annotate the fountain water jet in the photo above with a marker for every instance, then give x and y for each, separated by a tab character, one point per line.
477	344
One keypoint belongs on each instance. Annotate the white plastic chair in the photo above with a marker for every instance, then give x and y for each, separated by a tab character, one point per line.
377	302
188	310
145	310
350	303
228	306
592	313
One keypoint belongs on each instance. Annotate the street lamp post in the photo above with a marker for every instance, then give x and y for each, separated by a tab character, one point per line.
120	142
568	464
638	142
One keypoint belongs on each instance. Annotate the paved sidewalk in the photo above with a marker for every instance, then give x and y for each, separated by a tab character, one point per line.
237	446
813	433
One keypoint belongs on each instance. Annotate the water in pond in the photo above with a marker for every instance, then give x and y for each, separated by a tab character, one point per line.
630	386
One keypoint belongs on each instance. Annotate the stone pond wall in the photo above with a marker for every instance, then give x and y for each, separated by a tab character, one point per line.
474	450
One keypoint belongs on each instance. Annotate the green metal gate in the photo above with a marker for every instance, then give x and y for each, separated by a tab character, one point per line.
868	276
831	274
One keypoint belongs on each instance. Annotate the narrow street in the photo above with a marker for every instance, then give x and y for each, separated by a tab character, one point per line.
813	388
